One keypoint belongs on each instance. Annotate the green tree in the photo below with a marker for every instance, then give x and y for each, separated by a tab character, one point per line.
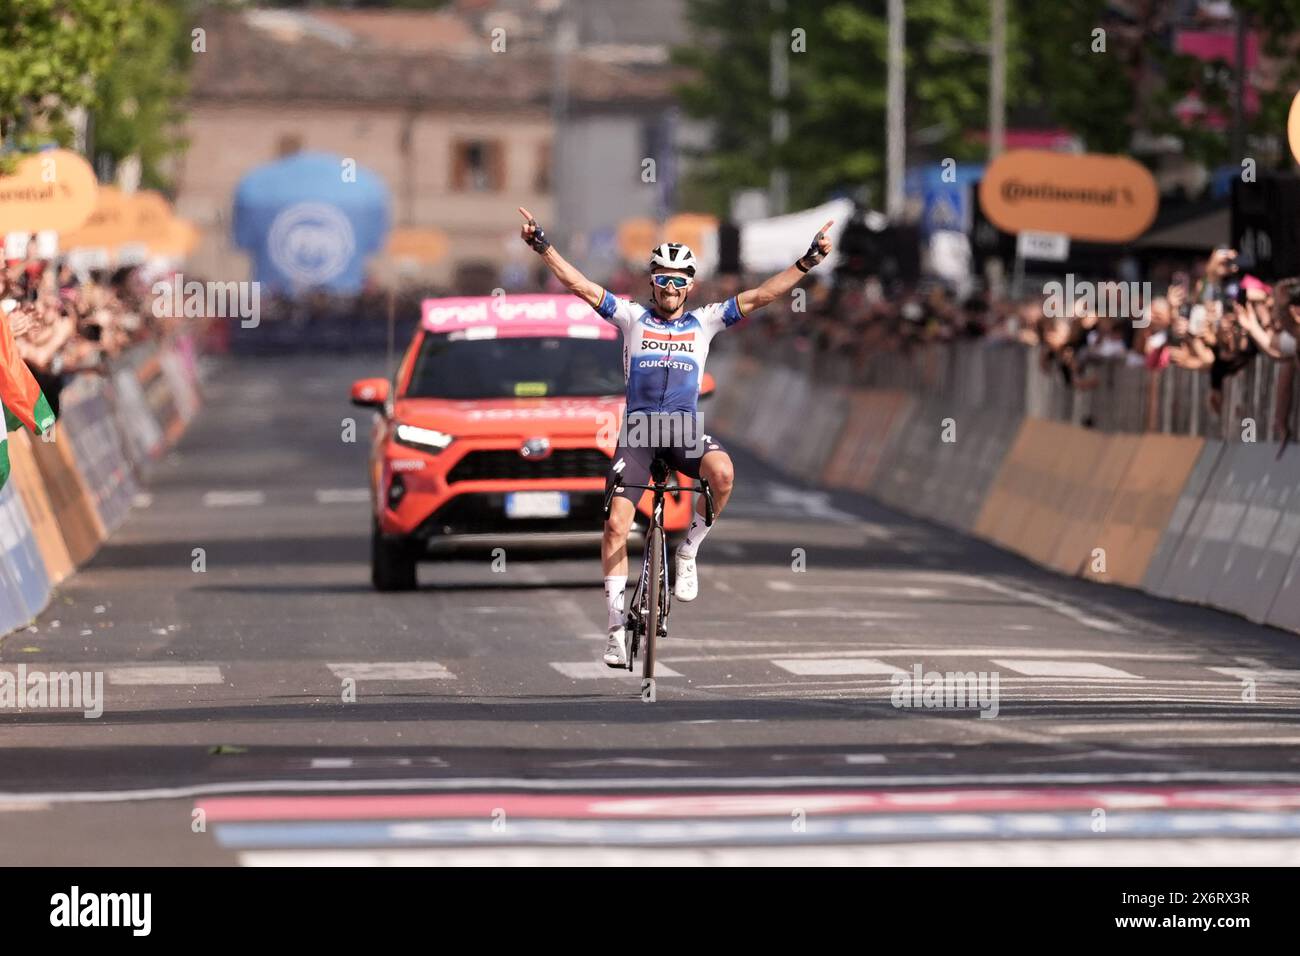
837	91
1078	78
50	53
138	105
1115	96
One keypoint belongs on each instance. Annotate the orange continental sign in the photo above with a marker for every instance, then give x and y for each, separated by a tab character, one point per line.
1293	128
54	189
148	216
1091	197
691	228
177	242
636	237
108	225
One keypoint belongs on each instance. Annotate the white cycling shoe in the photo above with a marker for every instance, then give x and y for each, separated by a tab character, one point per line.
687	586
616	648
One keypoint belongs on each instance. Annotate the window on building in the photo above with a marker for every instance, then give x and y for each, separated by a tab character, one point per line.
478	166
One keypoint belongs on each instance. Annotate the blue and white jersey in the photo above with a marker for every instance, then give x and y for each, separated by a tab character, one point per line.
663	360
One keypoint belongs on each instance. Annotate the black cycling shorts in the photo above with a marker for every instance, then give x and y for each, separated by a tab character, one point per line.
631	464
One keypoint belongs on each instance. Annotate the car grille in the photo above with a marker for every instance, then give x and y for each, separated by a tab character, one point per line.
509	465
484	513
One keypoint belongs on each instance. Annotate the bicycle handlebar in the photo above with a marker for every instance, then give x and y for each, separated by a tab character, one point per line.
703	488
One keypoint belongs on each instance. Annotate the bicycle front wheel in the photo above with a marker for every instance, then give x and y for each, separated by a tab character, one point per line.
654	610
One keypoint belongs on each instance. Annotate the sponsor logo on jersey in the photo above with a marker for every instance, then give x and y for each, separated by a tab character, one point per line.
656	342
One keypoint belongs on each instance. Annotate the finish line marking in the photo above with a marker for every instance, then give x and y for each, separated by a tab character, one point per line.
614	784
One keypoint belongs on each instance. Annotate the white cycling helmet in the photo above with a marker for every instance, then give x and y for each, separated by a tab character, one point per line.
673	255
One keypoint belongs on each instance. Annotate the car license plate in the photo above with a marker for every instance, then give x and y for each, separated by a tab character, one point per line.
537	504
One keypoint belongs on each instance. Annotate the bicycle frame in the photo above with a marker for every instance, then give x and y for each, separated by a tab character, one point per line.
638	609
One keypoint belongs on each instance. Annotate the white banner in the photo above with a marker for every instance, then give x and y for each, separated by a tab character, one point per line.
770	245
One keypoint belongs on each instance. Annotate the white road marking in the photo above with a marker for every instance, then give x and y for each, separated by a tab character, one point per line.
342	496
1173	724
920	653
392	670
1146	691
1244	673
730	548
841	665
593	670
141	499
854	614
881	590
627	762
1065	669
232	499
1028	597
802	685
613	784
165	674
815	504
1212	741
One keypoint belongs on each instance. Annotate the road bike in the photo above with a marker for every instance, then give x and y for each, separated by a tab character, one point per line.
647	614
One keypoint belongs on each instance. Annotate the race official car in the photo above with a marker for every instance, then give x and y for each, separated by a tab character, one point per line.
502	421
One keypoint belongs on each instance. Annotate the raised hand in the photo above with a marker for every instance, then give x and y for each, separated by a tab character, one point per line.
532	233
817	250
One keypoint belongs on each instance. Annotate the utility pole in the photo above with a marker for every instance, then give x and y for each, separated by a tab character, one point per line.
998	80
895	130
779	49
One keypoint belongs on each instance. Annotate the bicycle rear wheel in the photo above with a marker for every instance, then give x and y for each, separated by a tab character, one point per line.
654	610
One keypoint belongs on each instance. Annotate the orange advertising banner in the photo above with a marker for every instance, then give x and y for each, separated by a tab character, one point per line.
178	241
1090	197
149	215
692	228
636	237
108	224
53	189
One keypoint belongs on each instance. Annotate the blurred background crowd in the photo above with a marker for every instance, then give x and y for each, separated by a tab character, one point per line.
64	323
1214	318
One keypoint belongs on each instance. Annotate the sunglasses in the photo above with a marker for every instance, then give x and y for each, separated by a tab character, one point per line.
677	282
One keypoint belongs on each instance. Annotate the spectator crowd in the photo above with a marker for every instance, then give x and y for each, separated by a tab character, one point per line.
64	322
1213	318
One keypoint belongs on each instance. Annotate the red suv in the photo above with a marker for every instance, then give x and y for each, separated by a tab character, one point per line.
503	420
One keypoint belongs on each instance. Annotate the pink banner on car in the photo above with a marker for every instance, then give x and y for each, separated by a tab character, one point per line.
564	312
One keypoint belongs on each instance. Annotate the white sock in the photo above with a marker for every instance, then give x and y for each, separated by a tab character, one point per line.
615	586
694	535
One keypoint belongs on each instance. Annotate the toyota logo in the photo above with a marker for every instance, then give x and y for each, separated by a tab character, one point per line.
535	448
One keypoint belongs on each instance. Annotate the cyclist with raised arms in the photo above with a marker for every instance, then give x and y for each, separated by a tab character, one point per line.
664	350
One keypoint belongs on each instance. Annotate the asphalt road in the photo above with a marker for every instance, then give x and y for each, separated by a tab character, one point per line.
485	730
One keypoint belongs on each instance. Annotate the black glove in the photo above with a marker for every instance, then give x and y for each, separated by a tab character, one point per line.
813	256
539	242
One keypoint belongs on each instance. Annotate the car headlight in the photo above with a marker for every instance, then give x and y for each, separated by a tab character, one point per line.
425	439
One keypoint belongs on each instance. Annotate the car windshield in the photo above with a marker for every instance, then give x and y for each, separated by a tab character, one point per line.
518	367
